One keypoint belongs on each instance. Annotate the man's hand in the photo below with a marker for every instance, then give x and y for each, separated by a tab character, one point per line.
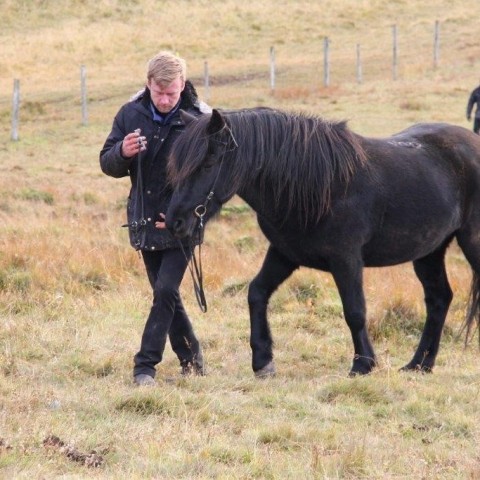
133	143
161	223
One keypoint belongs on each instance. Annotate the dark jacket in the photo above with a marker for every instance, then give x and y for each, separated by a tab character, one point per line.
474	98
150	194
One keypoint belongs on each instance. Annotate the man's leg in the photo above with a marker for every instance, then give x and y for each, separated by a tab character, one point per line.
182	337
476	125
184	342
154	333
167	315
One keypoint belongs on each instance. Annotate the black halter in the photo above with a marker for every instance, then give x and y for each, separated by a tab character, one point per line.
200	210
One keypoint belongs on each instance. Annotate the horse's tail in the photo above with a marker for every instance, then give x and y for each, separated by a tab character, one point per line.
473	314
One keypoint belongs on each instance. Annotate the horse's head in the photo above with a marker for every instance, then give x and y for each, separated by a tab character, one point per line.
199	171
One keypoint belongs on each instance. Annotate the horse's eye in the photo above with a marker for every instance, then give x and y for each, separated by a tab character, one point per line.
208	163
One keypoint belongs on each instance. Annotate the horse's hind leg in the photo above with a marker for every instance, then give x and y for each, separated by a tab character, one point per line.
431	272
275	269
469	242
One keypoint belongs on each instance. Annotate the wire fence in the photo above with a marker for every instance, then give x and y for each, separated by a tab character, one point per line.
387	56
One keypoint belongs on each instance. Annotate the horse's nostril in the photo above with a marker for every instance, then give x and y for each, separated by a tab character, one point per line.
178	225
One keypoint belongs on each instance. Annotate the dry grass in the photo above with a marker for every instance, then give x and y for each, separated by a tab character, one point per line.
73	295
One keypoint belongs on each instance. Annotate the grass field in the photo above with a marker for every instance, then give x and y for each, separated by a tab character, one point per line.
74	296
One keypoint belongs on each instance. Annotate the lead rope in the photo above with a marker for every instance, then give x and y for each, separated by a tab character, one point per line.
196	270
138	224
195	266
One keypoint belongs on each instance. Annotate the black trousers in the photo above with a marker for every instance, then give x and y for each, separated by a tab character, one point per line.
165	270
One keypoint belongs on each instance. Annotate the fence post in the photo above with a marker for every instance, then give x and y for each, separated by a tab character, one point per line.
206	81
326	62
395	51
436	44
83	87
272	69
15	109
359	65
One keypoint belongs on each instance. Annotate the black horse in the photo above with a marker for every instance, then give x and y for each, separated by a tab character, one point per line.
330	199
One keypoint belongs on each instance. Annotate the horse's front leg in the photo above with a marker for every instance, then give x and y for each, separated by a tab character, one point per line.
348	276
275	269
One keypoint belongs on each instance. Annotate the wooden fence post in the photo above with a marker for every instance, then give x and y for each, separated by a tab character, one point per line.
15	109
83	87
272	70
206	81
359	65
326	62
436	44
395	51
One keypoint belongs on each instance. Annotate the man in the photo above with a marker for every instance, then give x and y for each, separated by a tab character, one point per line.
138	145
474	98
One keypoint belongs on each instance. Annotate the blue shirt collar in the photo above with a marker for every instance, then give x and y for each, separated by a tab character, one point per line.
165	118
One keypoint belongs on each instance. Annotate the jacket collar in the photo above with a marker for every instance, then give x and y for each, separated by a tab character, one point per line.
166	118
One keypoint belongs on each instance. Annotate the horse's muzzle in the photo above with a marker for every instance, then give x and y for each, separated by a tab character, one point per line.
179	227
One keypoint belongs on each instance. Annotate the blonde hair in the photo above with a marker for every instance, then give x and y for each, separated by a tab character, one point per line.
165	67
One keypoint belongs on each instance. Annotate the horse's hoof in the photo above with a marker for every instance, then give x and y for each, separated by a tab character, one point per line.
417	368
267	371
362	367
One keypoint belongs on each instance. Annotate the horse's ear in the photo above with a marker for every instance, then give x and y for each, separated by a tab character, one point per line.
187	117
217	122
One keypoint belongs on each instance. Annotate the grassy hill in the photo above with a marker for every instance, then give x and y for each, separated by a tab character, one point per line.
74	297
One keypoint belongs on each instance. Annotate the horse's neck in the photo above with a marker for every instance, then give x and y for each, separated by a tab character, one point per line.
251	195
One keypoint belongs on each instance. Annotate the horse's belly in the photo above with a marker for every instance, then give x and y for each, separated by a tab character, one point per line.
404	235
385	250
392	240
379	259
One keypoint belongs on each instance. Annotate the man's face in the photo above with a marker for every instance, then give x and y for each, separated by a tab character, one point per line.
165	97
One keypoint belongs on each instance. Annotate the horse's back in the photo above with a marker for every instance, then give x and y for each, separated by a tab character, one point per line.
454	141
426	181
427	149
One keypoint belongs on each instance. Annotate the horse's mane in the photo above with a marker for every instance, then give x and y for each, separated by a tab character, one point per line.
298	156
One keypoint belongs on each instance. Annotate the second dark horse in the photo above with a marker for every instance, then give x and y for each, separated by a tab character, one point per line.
330	199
